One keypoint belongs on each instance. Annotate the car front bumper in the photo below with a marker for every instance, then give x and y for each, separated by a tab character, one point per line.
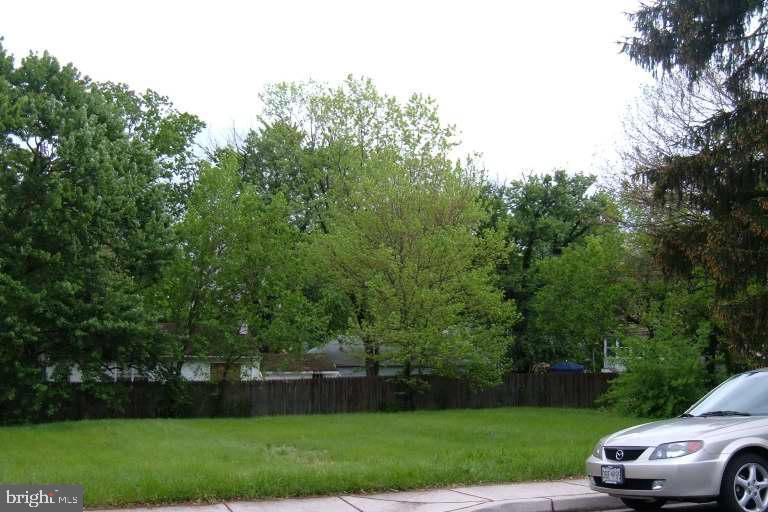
698	477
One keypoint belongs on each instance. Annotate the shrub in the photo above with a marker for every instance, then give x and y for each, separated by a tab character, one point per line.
665	374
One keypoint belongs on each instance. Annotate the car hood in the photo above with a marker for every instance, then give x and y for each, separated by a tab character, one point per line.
683	429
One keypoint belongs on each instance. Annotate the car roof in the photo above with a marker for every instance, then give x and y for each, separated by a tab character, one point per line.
756	370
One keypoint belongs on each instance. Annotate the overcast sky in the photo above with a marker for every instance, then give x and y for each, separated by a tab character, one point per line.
533	85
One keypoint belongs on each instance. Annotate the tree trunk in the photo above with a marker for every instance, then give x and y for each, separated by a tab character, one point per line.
371	358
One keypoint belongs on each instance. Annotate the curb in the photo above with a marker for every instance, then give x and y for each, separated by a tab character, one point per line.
586	502
574	503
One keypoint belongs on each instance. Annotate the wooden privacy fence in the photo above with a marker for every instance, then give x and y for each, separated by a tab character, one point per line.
332	395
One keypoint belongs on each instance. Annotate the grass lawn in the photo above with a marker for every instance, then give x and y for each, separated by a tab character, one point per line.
152	461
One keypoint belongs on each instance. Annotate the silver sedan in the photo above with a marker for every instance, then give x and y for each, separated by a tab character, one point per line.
717	450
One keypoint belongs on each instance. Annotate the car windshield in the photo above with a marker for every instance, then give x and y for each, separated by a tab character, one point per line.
742	395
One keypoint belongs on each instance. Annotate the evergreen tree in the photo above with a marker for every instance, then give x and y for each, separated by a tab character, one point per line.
720	172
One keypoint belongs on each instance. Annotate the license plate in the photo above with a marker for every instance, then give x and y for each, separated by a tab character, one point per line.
613	475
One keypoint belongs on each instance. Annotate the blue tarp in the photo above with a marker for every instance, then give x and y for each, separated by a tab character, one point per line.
567	366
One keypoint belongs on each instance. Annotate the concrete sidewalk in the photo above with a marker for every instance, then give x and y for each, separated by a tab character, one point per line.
559	496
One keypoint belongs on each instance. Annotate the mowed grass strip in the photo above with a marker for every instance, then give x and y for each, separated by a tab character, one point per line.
173	460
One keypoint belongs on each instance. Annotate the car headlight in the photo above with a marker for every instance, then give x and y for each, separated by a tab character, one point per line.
677	449
597	451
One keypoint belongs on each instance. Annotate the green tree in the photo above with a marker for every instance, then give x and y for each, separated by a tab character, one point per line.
717	178
83	231
610	287
169	133
584	296
237	284
316	140
409	254
317	143
538	217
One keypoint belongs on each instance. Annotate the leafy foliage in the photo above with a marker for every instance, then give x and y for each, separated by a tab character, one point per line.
718	177
694	35
538	217
584	297
236	286
315	141
83	230
665	374
169	133
345	158
408	255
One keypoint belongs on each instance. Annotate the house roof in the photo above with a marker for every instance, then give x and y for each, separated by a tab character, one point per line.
343	352
214	358
296	363
348	351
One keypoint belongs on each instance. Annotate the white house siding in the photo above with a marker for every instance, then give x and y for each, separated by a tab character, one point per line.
200	371
353	371
195	371
298	375
250	373
75	375
359	371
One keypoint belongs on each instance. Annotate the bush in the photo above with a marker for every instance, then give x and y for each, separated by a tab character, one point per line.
665	374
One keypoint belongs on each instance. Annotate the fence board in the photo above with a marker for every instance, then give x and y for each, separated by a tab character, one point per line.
334	395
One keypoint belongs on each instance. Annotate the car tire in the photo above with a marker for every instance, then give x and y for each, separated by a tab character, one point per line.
638	504
738	479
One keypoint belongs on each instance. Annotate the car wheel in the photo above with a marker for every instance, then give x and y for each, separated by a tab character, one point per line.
745	484
639	504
